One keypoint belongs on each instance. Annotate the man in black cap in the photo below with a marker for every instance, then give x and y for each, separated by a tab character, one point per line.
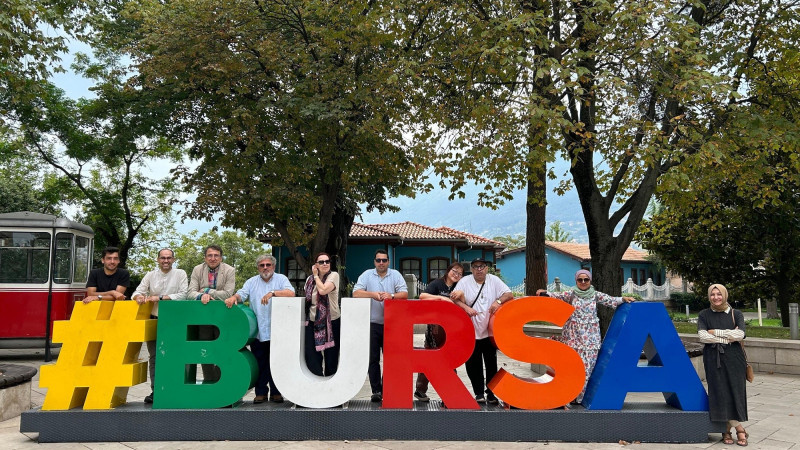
483	293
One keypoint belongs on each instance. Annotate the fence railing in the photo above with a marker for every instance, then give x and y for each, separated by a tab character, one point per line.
648	291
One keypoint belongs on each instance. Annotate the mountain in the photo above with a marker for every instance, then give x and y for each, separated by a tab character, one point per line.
435	210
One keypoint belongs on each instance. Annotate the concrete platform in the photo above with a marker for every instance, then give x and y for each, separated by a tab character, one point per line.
364	420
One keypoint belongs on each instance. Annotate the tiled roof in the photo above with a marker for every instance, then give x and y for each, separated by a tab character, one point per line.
473	239
581	251
411	230
362	230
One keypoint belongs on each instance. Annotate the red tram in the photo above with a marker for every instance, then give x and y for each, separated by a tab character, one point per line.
44	264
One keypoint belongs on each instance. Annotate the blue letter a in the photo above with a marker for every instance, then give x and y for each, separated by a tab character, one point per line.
647	326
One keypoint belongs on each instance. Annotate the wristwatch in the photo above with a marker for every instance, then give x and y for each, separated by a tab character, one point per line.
161	297
499	302
99	297
392	296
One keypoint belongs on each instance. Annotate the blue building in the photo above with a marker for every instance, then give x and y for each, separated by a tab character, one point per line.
413	249
565	258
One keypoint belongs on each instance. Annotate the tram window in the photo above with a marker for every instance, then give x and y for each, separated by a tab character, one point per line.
81	271
63	268
24	257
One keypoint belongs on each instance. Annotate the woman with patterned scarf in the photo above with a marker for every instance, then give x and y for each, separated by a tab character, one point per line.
582	329
323	317
721	328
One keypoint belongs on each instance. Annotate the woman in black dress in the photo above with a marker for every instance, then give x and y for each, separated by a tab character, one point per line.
721	329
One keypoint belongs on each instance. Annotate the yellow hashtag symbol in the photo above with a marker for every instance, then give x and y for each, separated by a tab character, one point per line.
98	360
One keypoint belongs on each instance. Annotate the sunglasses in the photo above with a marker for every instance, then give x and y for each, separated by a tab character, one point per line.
322	262
265	265
381	260
583	280
481	267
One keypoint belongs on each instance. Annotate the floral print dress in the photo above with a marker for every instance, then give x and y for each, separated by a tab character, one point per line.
582	330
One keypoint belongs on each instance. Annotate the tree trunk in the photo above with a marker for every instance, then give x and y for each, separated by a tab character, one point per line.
341	224
772	309
535	207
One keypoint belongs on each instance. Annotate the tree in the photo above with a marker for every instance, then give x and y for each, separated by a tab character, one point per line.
511	240
557	233
23	187
99	149
294	111
642	86
238	251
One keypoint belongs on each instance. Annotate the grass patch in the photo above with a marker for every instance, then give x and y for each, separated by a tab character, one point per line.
773	332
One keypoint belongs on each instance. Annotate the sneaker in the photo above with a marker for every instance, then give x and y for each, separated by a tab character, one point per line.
277	398
421	397
259	399
149	399
376	397
492	400
480	399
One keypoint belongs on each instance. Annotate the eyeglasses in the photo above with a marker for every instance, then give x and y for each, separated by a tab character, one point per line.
480	267
323	262
455	272
265	265
381	260
583	280
213	256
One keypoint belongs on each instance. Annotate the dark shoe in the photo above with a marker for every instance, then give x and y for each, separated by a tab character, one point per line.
277	398
492	400
421	397
376	397
259	399
480	399
149	399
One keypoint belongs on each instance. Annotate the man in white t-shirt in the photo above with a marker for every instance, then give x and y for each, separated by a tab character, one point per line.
483	293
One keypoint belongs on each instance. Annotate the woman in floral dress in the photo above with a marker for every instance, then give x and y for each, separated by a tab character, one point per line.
582	329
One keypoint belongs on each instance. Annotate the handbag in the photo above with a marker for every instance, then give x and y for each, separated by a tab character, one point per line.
749	375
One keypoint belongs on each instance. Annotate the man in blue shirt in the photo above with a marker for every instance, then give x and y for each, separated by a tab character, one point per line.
379	284
260	289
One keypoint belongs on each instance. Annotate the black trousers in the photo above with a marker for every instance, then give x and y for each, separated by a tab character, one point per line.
261	352
315	358
375	349
486	351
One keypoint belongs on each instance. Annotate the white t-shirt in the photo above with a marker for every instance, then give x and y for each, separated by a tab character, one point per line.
493	289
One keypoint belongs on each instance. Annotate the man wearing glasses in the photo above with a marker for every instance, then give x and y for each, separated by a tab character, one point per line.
164	283
482	293
260	289
211	280
379	284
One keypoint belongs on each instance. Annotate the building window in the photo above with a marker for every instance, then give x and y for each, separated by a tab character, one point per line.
643	276
437	268
634	276
296	276
411	266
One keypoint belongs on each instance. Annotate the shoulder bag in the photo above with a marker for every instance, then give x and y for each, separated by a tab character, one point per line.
749	375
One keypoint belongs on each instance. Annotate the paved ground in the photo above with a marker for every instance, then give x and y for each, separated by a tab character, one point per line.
773	400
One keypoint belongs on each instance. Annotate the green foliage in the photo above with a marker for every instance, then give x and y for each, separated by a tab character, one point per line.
511	240
752	331
238	251
293	111
98	152
696	302
557	233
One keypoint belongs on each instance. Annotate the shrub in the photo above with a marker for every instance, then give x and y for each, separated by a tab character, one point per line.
695	302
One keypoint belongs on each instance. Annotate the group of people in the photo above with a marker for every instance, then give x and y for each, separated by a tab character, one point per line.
479	295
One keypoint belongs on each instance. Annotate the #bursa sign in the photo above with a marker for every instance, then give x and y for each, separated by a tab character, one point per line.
101	343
